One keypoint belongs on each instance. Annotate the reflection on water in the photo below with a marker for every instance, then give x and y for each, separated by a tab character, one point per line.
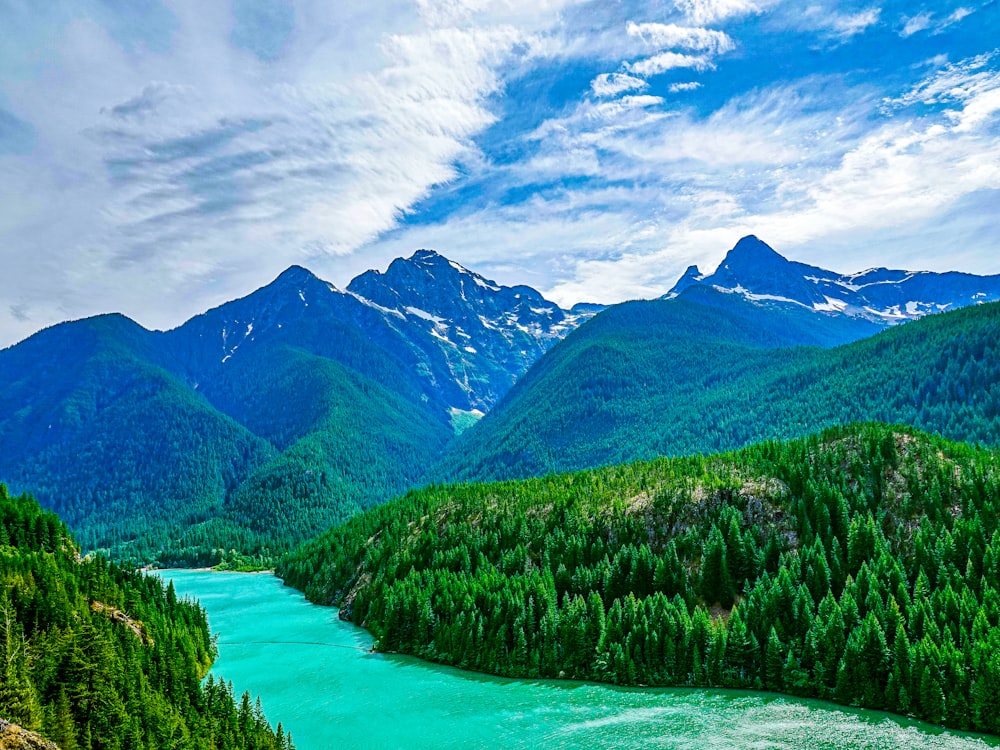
315	674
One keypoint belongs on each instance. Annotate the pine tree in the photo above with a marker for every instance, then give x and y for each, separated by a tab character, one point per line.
716	582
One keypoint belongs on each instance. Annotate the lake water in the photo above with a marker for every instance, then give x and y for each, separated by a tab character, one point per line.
315	675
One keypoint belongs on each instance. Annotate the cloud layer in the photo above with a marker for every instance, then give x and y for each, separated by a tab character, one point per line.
159	158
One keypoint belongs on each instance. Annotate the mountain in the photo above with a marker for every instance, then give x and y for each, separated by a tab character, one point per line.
259	423
92	418
93	655
861	566
687	375
753	270
488	334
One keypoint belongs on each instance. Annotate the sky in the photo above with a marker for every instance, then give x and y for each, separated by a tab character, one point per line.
159	157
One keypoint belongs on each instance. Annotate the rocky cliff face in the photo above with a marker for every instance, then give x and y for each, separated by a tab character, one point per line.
13	737
488	335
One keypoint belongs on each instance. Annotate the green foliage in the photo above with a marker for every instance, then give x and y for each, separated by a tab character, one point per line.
677	377
231	465
95	656
859	565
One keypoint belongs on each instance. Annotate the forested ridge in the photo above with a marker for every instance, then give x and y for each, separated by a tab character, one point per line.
99	419
706	373
860	565
99	657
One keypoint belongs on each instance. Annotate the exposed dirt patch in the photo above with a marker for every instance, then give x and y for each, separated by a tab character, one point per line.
347	605
117	616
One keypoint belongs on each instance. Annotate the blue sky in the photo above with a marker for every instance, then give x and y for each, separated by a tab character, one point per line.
158	157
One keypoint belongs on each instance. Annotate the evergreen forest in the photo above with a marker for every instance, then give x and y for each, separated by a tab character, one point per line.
860	565
95	656
706	373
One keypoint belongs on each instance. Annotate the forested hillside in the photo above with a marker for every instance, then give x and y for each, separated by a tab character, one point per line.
98	657
92	420
694	374
861	565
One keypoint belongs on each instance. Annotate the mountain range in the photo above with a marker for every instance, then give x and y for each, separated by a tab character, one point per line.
262	421
259	423
754	271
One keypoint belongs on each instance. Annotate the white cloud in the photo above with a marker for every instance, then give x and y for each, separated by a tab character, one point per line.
612	84
686	86
959	14
915	24
665	61
849	25
210	170
671	36
925	20
829	21
703	12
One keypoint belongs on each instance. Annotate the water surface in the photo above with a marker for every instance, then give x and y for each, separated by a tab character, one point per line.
314	674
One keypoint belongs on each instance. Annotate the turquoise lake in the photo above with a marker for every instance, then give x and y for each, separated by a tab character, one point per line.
314	674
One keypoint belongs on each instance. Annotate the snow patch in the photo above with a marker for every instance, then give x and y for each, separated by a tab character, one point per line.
423	314
831	305
440	337
893	313
485	284
376	306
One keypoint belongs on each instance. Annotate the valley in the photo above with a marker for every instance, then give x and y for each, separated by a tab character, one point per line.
732	487
255	426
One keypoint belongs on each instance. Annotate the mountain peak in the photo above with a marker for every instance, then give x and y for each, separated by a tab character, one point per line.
425	255
755	271
434	259
691	277
751	250
296	275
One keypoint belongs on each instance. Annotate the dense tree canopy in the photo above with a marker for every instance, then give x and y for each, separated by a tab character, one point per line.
861	565
671	378
99	657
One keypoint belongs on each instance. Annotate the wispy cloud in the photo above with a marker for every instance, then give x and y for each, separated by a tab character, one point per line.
829	21
704	12
916	24
612	84
850	24
925	20
665	61
671	36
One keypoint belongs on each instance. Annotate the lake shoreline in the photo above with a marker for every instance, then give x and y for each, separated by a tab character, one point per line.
338	693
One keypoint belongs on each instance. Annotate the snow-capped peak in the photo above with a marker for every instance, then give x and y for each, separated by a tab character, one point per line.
884	296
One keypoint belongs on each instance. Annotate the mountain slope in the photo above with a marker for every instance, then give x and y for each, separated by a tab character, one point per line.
861	566
97	656
754	271
489	334
675	377
113	441
266	419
